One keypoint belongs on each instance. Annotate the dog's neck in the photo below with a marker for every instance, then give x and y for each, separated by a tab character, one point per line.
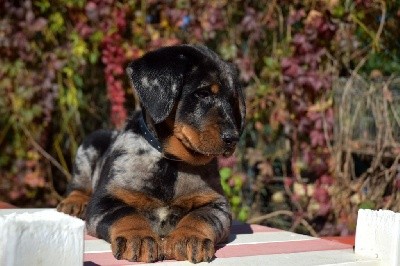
148	131
149	123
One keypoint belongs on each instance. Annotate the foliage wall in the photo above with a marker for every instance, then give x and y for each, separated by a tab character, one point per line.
62	76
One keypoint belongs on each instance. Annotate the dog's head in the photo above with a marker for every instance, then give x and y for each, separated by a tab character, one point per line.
194	99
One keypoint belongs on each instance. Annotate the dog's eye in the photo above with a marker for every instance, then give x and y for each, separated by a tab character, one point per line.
203	92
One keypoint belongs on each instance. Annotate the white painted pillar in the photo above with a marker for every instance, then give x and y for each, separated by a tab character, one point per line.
378	236
41	238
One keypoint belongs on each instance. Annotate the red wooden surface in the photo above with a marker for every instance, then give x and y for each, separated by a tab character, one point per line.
5	205
350	240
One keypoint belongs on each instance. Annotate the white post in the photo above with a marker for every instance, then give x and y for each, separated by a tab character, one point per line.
378	236
41	238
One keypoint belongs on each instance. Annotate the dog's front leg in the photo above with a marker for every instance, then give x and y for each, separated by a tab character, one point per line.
122	225
196	235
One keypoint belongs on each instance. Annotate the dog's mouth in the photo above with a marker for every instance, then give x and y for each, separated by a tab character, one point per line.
196	151
193	145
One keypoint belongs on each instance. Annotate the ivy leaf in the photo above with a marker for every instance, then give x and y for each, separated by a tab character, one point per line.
225	173
367	204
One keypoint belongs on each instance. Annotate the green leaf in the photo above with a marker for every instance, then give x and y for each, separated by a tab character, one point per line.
78	81
244	213
236	200
238	181
94	57
338	11
56	22
367	204
96	37
225	173
360	14
271	63
68	71
43	5
226	188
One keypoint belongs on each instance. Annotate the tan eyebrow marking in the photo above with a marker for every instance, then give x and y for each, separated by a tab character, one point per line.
214	88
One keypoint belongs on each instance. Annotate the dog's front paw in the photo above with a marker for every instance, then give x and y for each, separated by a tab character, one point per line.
135	246
188	244
75	204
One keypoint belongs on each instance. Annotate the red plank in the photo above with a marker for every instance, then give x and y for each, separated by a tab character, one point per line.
5	205
278	248
244	250
349	240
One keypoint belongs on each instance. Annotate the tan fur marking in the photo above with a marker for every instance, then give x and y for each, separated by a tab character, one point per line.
187	139
199	226
75	203
126	224
209	140
212	139
140	243
139	200
194	201
215	88
190	134
190	233
175	147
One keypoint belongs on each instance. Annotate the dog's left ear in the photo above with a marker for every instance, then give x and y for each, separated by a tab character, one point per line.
240	97
242	108
158	78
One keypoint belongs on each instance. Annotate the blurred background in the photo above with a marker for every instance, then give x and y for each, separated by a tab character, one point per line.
321	78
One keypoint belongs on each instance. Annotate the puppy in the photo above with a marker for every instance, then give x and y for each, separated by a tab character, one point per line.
152	190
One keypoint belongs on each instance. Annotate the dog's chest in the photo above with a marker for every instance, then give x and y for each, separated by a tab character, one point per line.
135	165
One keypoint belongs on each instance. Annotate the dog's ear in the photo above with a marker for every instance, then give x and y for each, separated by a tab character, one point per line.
158	78
241	99
242	108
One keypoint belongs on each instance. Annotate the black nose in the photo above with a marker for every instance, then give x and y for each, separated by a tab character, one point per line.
230	139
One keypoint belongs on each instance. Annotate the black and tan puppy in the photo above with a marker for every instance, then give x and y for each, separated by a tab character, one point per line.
152	190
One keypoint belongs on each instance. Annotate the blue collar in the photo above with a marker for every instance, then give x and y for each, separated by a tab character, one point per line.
146	133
